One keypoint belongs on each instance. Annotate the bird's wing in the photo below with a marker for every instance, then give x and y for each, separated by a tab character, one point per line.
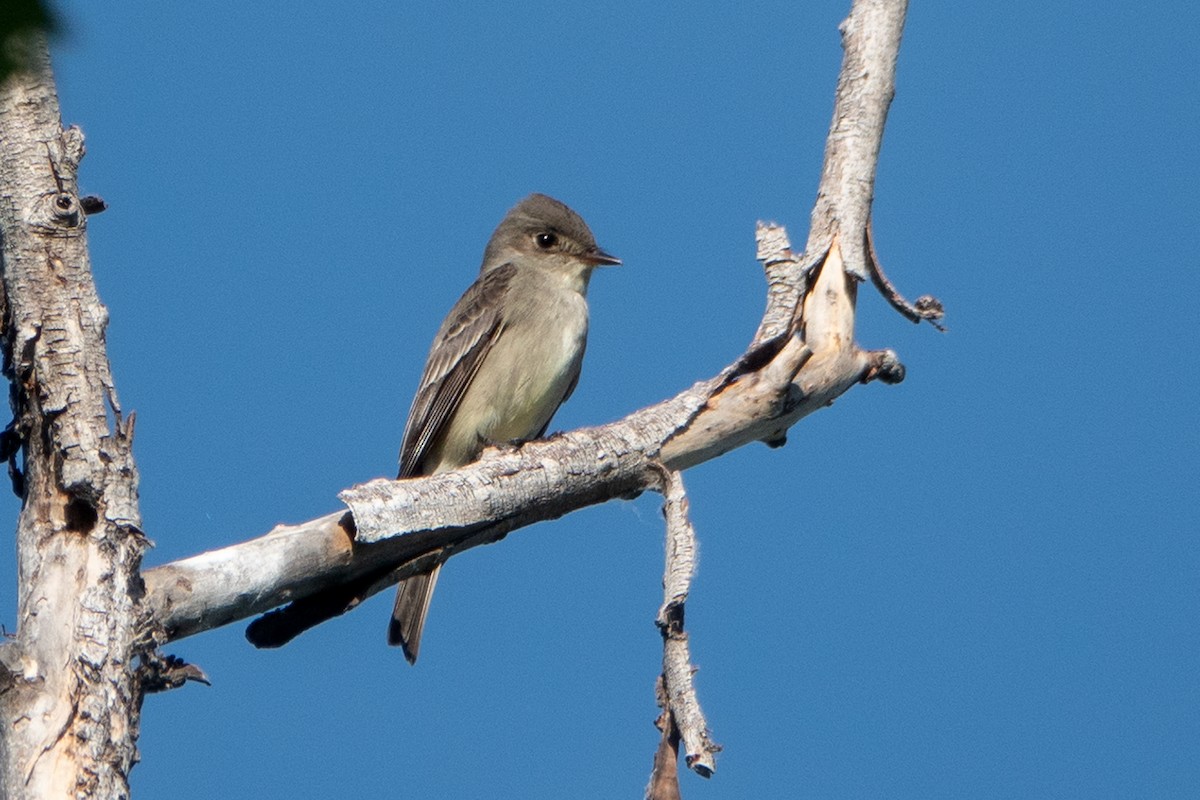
466	336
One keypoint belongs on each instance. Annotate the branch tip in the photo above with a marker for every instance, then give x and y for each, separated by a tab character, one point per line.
92	204
161	673
927	307
773	245
885	366
702	768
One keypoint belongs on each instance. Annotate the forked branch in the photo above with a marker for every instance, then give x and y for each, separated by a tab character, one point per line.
801	358
79	539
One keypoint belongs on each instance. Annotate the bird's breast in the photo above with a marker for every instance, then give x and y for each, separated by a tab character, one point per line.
527	372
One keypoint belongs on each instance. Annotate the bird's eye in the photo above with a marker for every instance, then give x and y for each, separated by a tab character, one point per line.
546	240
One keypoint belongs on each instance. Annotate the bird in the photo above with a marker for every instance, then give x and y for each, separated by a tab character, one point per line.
507	355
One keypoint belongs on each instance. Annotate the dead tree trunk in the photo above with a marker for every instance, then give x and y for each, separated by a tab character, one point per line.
69	701
70	692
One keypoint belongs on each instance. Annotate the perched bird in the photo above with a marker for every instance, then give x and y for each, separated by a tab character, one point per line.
506	357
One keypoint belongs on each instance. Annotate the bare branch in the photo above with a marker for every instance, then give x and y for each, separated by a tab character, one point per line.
159	673
802	358
397	521
866	85
69	697
787	281
678	687
927	307
215	588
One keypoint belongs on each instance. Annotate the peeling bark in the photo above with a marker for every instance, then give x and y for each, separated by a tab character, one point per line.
70	695
801	359
71	704
675	689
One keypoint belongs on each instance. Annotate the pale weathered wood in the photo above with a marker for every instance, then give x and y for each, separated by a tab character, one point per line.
866	85
70	702
678	686
454	511
69	697
802	358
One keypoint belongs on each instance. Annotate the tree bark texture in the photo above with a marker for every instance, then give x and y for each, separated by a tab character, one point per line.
69	702
802	357
69	691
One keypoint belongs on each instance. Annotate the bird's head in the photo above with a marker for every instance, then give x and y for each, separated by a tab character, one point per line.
541	231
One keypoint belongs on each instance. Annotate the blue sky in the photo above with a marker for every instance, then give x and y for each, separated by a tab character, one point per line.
983	582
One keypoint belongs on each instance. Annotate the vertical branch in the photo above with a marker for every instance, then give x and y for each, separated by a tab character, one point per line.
836	256
682	719
70	712
866	85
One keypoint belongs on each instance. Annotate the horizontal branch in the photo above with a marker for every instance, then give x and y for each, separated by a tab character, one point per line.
397	521
803	356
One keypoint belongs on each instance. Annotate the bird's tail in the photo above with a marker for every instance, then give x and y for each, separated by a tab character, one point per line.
408	615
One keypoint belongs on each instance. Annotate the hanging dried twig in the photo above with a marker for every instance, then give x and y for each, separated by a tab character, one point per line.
927	307
678	689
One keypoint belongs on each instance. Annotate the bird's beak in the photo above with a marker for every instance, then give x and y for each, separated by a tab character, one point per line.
600	258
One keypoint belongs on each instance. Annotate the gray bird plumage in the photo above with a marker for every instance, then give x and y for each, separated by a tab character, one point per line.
505	358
